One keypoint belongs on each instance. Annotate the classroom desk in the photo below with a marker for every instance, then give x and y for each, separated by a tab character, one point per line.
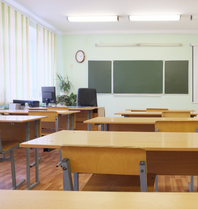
23	128
56	120
98	200
84	114
145	114
130	123
167	153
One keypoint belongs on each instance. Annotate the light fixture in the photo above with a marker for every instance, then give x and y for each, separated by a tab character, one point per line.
154	17
93	18
137	44
116	45
194	17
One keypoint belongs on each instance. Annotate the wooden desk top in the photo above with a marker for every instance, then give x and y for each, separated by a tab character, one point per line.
26	112
19	118
143	113
133	120
144	110
151	141
59	112
69	108
99	200
21	112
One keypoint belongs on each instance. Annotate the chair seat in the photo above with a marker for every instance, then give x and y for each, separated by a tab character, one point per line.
8	145
121	183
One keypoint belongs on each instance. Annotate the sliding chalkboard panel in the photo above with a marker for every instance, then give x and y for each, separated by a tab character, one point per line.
99	76
176	77
138	77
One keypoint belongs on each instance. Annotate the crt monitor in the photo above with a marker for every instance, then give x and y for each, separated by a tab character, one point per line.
48	94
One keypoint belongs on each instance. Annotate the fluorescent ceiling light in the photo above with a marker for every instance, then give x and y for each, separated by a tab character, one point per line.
93	18
154	17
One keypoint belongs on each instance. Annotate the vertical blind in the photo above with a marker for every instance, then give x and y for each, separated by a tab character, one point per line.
16	73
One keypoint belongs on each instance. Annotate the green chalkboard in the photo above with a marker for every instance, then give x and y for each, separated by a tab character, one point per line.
99	76
138	77
176	77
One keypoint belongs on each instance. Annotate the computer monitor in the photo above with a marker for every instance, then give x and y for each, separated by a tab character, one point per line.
48	94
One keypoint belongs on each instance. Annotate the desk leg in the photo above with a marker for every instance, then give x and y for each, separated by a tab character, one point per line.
28	159
191	184
88	117
72	121
104	127
76	182
36	157
36	136
67	118
60	154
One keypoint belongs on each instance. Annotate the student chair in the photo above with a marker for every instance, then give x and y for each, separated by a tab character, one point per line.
176	114
9	147
156	109
87	97
114	169
176	126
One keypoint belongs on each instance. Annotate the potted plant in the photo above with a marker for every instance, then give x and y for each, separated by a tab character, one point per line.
67	100
64	84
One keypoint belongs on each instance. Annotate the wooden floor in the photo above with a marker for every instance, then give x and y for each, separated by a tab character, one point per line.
51	177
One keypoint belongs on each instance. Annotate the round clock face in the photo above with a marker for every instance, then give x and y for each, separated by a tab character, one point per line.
80	56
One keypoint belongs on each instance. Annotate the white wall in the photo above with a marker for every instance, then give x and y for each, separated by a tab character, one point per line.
68	45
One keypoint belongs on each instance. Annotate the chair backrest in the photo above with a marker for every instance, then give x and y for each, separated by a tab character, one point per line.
87	97
156	109
176	126
104	160
57	108
176	114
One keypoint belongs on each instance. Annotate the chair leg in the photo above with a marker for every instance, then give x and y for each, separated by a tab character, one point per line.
156	183
67	179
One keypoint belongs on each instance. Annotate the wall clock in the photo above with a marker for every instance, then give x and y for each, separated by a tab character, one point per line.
80	56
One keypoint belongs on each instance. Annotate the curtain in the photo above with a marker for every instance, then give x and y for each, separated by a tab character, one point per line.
14	64
46	58
23	71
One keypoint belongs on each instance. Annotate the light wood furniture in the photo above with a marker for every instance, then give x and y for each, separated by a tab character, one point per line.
156	109
144	110
174	114
177	126
84	114
130	123
14	112
56	120
166	153
147	114
17	129
98	200
9	147
107	160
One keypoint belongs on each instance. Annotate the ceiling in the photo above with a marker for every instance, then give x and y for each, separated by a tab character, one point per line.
52	14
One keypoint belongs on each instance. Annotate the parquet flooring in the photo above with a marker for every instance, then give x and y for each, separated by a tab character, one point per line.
51	177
